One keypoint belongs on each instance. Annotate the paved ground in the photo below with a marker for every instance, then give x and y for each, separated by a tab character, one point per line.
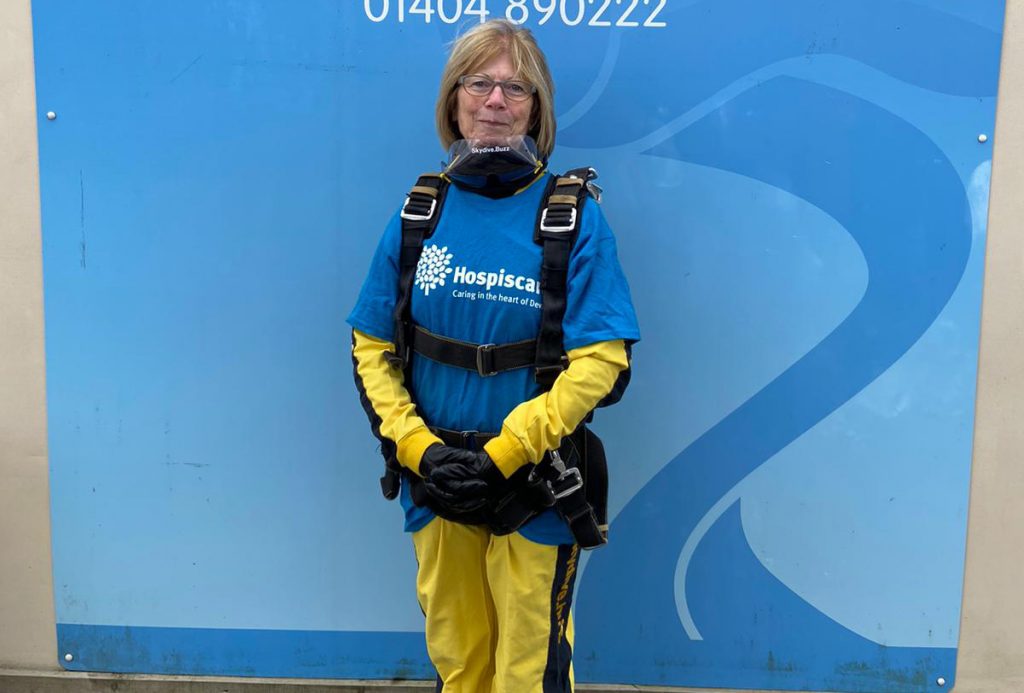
70	682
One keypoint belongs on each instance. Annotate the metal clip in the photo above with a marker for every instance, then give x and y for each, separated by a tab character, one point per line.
577	483
563	474
556	462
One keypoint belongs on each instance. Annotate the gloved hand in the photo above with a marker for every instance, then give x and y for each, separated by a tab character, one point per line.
463	479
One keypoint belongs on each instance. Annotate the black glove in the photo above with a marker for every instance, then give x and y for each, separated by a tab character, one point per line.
439	455
463	480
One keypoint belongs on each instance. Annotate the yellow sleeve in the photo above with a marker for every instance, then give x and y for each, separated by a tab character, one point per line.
538	425
392	413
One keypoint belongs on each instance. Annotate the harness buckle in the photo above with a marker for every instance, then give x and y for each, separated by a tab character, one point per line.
575	483
396	360
485	352
468	436
412	216
544	373
560	228
558	486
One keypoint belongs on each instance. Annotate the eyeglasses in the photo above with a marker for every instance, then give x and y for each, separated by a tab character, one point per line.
513	89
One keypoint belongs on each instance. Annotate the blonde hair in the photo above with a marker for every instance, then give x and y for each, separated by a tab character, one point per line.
479	46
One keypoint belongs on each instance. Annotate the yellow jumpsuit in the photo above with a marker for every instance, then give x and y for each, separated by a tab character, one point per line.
497	607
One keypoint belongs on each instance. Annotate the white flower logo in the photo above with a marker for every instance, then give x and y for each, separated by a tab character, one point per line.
433	268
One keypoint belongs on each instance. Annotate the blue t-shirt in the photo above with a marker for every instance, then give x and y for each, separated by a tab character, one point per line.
478	281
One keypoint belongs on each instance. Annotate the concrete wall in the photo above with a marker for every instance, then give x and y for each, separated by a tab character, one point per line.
992	625
27	636
992	636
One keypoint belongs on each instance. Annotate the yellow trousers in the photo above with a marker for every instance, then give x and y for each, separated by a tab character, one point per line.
497	609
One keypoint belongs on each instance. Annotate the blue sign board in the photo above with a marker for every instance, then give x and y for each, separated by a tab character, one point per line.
799	190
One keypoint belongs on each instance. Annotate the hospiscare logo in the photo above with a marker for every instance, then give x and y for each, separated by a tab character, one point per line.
435	269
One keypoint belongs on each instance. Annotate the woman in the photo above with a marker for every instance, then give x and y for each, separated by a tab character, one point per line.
467	435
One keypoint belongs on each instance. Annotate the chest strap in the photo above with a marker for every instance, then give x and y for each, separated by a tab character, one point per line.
485	359
556	229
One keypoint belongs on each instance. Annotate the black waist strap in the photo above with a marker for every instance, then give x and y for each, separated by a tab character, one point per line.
468	440
485	359
534	489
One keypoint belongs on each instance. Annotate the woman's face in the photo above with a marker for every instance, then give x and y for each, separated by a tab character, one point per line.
493	116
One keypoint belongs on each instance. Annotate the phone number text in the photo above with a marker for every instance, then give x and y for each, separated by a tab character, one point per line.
598	13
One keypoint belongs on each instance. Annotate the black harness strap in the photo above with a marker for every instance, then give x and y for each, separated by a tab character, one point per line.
419	215
467	440
556	230
485	359
566	479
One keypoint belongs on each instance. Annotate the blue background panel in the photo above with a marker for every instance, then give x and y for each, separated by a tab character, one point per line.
799	196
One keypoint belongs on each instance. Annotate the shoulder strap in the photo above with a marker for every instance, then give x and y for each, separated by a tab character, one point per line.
556	230
420	214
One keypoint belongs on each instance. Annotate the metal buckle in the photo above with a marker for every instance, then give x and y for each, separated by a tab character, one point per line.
466	437
418	217
480	351
557	229
564	473
577	483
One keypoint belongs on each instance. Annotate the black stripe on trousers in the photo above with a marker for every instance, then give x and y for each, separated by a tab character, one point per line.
556	673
